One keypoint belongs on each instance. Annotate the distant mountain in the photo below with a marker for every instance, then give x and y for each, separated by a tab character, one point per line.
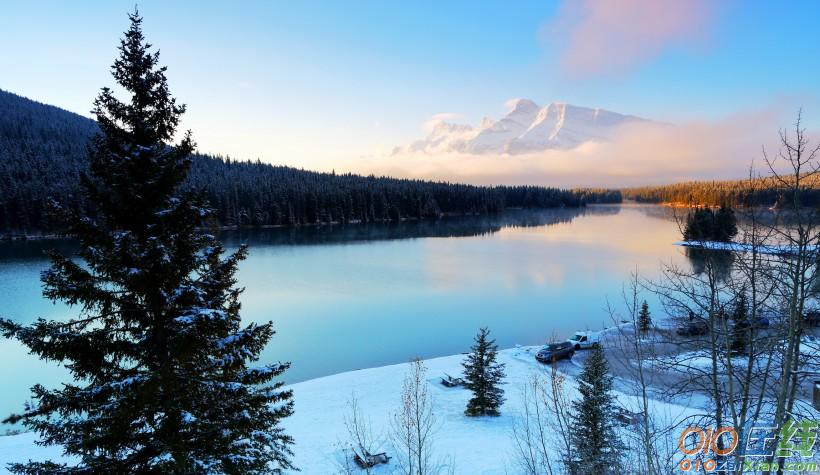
528	127
43	154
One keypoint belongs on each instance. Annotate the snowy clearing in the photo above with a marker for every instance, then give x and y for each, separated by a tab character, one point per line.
477	445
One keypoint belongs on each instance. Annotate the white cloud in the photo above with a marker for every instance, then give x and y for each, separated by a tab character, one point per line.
640	153
436	119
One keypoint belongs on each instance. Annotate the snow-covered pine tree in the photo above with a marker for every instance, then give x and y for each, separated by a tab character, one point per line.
594	443
644	318
483	375
162	371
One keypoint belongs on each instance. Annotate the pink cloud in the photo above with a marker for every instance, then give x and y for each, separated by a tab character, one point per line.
606	36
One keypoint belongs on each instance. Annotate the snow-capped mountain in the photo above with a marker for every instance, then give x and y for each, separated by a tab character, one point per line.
528	127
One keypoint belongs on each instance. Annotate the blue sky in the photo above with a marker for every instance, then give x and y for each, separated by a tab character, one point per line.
321	84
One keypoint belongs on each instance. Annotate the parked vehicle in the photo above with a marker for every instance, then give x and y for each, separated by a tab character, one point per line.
693	328
759	322
626	417
584	340
555	351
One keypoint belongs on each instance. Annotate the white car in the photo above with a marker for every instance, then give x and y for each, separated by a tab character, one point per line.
583	340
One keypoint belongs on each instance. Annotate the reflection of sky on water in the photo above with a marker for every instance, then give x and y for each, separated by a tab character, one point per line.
341	301
563	254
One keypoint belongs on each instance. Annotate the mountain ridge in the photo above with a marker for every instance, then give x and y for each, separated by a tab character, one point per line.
527	127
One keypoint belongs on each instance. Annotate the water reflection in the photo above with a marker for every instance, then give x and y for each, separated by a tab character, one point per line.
26	250
720	260
22	250
356	296
443	228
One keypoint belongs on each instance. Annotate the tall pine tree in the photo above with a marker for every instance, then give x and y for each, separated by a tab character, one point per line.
483	375
163	381
595	447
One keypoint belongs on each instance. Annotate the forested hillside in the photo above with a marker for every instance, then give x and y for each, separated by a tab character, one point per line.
43	153
764	192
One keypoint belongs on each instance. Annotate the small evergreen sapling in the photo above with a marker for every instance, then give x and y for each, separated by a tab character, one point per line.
594	444
483	376
644	319
741	327
162	381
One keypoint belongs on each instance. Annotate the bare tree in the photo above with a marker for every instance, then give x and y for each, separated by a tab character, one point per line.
757	373
345	461
414	425
749	368
540	431
798	228
362	440
634	356
710	293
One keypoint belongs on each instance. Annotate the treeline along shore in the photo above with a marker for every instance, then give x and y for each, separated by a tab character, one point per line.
765	191
43	155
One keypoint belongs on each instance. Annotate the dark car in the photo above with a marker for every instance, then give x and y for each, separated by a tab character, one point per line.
555	351
626	417
757	323
693	328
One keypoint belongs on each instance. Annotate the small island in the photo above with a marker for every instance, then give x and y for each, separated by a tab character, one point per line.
706	224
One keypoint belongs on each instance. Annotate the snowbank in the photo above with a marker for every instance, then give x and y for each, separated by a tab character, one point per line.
477	445
741	247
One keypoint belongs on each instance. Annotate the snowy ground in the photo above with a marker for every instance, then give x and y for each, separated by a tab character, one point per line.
477	445
741	247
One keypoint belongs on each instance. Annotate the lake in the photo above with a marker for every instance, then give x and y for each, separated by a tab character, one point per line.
357	296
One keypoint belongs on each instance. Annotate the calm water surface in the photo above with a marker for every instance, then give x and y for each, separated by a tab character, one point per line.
343	298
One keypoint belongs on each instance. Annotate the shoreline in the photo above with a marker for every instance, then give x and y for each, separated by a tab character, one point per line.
11	237
477	445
